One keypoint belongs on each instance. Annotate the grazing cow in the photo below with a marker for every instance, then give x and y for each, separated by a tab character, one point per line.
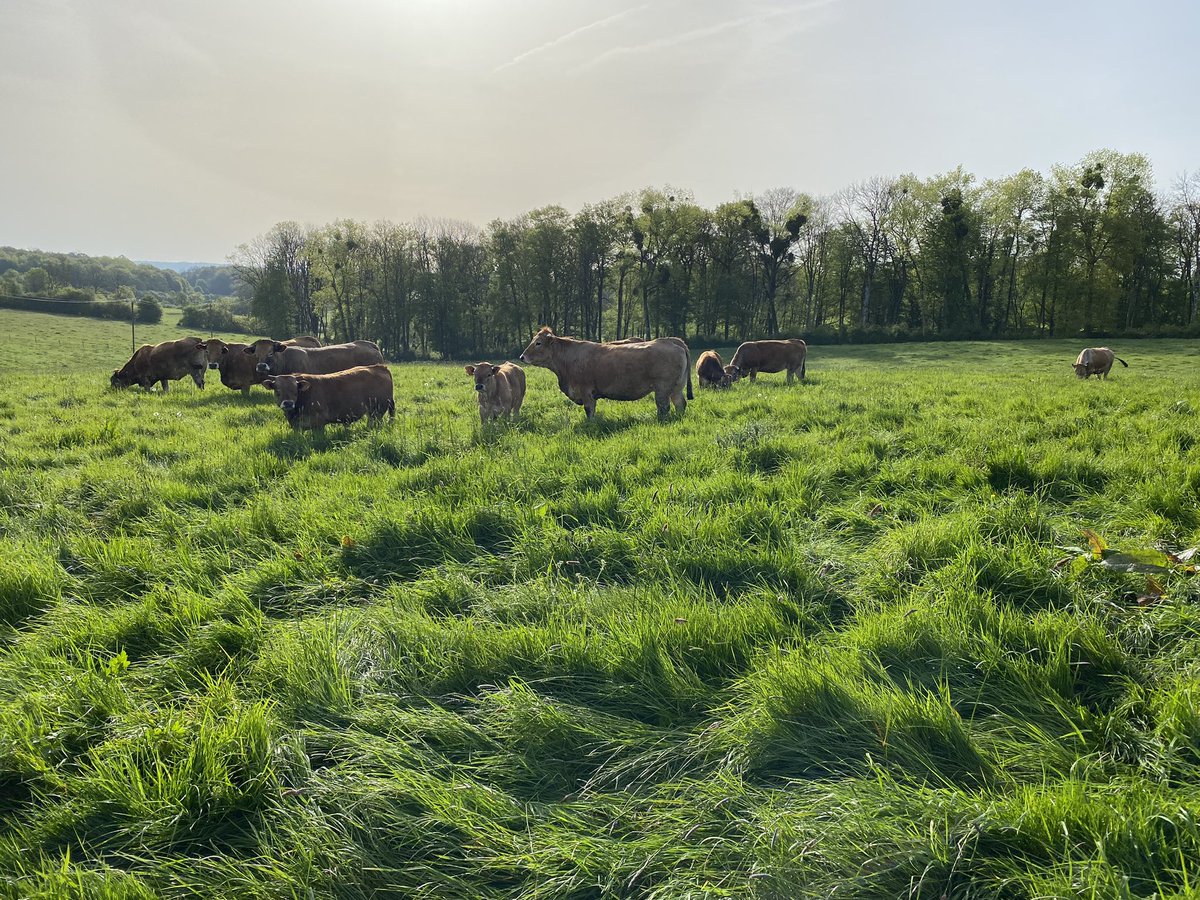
753	357
262	348
588	371
165	362
710	371
284	360
1096	361
500	389
314	401
236	367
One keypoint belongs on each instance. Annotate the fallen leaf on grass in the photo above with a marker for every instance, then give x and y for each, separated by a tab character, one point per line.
1095	542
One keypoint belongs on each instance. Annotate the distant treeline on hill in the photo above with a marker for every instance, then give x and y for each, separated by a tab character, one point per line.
38	273
147	310
1089	248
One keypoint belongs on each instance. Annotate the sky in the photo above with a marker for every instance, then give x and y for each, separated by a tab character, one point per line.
178	130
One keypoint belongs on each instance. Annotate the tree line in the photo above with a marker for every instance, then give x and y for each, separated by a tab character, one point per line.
1090	247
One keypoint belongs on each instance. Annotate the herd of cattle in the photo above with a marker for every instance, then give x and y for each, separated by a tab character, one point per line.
318	385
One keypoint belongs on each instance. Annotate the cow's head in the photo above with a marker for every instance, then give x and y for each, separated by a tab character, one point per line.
732	374
539	349
215	349
197	362
120	379
269	363
1080	370
484	374
289	390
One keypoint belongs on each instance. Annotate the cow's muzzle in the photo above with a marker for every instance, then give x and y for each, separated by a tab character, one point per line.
213	365
287	405
479	387
521	357
263	369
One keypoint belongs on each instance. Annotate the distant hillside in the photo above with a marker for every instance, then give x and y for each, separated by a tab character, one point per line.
177	266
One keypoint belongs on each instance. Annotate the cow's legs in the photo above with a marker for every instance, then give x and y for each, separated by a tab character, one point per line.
589	407
753	375
663	401
791	374
164	385
680	401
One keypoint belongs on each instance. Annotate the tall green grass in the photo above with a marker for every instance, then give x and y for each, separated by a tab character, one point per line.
809	641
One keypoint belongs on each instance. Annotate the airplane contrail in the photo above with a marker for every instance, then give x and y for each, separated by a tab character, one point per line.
570	35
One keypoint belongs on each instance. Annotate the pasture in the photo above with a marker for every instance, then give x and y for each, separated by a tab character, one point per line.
833	639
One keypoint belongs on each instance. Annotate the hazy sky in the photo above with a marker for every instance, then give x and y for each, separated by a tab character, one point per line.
172	129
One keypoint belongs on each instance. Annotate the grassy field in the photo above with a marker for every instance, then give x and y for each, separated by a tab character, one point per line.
840	639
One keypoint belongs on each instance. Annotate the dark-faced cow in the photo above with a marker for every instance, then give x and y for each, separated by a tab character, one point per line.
710	371
588	371
314	401
753	357
500	389
1096	361
283	360
165	362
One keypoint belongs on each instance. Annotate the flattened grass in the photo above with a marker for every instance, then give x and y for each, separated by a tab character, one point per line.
806	641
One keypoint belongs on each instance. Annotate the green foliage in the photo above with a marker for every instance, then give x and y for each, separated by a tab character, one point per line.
807	641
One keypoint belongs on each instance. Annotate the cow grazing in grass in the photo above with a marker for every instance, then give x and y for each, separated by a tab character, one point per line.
237	367
314	401
165	362
753	357
262	348
500	389
710	371
284	360
1096	361
588	371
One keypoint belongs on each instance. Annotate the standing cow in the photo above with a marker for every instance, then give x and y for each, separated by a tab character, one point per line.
262	348
314	401
165	362
1096	361
237	367
500	389
710	371
284	360
753	357
588	371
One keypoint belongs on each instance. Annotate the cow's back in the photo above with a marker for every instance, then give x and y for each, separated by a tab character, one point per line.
346	396
329	359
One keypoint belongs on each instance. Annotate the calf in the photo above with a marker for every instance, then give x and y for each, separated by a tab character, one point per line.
1096	361
314	401
710	371
499	389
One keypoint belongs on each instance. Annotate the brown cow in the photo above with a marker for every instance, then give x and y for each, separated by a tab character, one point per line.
588	371
753	357
168	361
710	371
500	389
284	360
1096	361
261	348
236	367
314	401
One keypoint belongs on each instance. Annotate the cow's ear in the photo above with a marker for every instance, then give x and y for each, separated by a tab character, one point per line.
249	350
470	370
302	385
278	347
269	384
203	345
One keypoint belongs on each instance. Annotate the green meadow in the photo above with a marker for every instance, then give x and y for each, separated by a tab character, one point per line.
850	638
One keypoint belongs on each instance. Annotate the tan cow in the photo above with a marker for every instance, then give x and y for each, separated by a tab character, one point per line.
500	389
710	371
261	348
165	362
588	371
314	401
236	366
284	360
753	357
1096	361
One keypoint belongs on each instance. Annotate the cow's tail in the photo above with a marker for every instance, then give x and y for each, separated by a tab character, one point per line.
803	366
690	396
1121	361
